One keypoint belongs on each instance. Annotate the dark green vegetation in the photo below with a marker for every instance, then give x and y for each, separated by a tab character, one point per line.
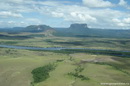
92	42
14	37
77	74
124	54
113	42
42	73
67	43
8	42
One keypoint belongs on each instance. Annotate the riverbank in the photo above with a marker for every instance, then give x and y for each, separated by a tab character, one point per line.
74	50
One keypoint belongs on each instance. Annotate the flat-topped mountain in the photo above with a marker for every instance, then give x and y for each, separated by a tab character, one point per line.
78	26
82	30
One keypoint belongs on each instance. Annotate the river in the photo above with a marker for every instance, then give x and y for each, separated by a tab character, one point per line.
52	48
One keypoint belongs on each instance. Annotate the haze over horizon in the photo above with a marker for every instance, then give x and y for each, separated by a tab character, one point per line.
61	13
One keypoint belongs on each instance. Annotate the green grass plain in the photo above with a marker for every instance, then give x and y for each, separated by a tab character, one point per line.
16	65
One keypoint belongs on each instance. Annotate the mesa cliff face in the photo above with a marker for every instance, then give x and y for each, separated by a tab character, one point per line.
78	26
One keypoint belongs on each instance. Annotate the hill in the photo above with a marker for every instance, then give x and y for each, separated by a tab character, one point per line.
37	28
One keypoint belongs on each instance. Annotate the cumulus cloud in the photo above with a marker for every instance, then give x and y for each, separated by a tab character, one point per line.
125	22
7	14
57	14
74	16
122	3
116	20
104	17
17	5
81	17
33	21
97	3
93	17
10	23
16	1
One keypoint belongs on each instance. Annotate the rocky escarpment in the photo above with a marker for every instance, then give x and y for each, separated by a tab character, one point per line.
78	26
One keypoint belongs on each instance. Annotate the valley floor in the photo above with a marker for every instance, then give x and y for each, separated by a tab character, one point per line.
72	69
16	67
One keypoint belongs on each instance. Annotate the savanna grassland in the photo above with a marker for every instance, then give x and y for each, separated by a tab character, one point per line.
40	40
25	67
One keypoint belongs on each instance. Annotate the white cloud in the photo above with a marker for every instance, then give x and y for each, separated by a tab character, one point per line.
97	3
57	14
17	5
5	6
68	13
7	14
32	21
126	20
93	17
16	1
116	20
104	17
81	17
11	22
122	3
122	22
4	24
76	13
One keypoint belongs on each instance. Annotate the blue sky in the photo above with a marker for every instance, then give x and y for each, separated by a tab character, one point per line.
112	14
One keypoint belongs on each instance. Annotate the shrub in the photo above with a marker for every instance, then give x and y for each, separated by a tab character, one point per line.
42	73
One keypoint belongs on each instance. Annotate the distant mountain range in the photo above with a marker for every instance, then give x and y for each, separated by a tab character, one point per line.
75	30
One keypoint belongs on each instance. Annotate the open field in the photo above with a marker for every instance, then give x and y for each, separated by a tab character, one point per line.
16	68
16	65
39	40
64	42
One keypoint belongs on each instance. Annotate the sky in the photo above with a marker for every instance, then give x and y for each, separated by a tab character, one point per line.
106	14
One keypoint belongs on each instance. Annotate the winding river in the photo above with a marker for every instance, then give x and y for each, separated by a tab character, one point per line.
36	48
52	48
